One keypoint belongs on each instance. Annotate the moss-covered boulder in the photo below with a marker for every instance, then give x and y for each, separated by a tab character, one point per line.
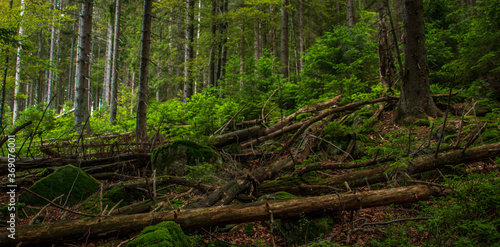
68	180
172	159
165	234
110	198
301	230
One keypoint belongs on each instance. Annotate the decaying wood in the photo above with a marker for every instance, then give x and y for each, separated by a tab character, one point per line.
274	130
418	165
204	217
324	114
73	160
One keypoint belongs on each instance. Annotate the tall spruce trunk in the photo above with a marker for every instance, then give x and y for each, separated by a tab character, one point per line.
143	74
17	83
350	13
113	98
50	82
188	56
284	39
83	67
415	100
107	64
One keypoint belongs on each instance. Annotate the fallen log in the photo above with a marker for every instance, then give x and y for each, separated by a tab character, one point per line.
324	114
256	131
203	217
417	165
47	162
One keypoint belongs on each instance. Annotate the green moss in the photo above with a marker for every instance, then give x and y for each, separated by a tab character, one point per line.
280	195
165	234
324	243
67	180
111	198
172	158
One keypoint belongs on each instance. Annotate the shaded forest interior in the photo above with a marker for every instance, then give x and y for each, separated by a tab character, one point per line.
250	123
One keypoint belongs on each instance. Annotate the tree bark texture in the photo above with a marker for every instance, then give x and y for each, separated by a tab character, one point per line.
107	64
350	13
82	76
204	217
415	97
189	55
143	76
113	97
284	39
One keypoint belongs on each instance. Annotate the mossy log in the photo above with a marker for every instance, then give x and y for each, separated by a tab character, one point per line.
203	217
378	174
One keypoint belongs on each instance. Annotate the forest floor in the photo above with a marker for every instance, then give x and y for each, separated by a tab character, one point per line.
366	226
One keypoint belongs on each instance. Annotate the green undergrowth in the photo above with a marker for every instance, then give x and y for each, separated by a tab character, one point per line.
466	217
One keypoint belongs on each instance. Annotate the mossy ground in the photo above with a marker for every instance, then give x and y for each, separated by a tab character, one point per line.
164	234
67	180
110	198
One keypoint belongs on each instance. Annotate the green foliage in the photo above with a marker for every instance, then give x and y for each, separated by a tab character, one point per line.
341	62
466	217
164	234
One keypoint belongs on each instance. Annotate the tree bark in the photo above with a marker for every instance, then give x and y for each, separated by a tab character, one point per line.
284	39
189	55
107	64
203	217
415	100
83	67
114	72
50	81
302	35
17	83
143	76
350	13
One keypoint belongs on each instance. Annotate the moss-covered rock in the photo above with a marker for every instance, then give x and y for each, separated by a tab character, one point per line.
165	234
111	197
68	180
172	159
299	230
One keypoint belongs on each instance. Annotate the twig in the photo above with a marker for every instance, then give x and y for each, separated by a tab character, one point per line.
44	207
444	123
460	129
394	221
475	137
14	132
221	129
220	240
348	154
477	121
60	207
39	122
265	104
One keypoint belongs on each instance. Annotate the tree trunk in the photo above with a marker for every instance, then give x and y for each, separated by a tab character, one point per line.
257	39
50	81
189	55
415	100
214	216
386	66
83	67
302	39
143	76
114	76
17	83
350	13
71	86
284	39
107	64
